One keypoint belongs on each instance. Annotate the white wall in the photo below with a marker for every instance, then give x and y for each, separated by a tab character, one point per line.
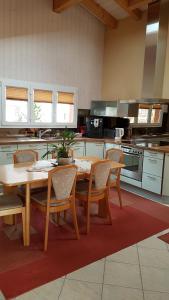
39	45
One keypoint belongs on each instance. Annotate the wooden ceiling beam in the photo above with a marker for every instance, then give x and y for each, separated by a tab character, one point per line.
133	4
135	13
100	13
61	5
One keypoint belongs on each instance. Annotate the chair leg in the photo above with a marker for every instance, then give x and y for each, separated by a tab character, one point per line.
88	217
64	215
74	215
119	194
15	220
108	209
46	232
23	226
58	218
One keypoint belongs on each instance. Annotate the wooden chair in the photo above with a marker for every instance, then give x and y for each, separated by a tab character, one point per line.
25	156
21	156
12	205
116	155
96	189
60	196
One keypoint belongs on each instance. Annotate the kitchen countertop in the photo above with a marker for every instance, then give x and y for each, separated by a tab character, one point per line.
138	143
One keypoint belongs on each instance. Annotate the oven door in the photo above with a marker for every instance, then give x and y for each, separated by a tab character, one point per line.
133	166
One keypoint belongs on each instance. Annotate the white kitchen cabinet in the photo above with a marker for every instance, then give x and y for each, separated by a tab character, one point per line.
95	149
6	154
153	165
79	149
156	154
152	171
151	183
41	148
165	189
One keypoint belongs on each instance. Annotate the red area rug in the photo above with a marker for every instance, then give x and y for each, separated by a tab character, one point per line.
164	238
22	269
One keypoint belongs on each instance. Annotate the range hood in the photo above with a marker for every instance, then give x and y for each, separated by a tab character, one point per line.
155	50
153	71
114	109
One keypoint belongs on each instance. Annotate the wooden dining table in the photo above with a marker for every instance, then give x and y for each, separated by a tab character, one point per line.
13	175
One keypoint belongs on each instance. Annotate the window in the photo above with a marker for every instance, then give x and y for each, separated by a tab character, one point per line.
143	114
37	105
42	106
156	113
16	104
65	107
148	115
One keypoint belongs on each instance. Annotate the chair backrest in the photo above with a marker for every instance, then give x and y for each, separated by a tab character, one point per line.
21	156
99	176
116	155
63	181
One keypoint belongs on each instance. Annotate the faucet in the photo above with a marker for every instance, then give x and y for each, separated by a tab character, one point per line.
41	133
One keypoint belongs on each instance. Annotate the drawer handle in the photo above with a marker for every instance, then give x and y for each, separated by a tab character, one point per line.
151	177
152	160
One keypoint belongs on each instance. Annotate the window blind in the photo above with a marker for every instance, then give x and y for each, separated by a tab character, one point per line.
43	96
65	98
16	93
144	106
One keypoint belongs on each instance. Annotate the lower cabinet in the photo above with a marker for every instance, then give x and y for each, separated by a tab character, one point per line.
95	149
6	154
152	171
165	189
78	149
41	148
151	183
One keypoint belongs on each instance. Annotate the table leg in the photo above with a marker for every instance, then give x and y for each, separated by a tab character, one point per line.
9	220
27	217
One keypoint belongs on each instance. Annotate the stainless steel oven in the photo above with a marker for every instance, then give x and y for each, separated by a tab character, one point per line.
133	160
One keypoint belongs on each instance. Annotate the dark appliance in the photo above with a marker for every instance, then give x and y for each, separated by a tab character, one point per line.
133	160
94	127
81	120
111	123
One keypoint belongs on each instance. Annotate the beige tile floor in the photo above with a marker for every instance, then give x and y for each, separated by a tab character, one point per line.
139	272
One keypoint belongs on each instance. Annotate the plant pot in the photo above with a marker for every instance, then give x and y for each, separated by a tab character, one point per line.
64	160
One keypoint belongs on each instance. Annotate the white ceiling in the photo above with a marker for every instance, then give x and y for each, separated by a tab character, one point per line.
114	9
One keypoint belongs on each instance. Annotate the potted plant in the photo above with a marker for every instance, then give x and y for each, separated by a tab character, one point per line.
62	151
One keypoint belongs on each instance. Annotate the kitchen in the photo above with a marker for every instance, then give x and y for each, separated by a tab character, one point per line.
100	69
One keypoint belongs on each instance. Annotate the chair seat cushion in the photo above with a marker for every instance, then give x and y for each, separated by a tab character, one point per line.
10	201
82	188
41	198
